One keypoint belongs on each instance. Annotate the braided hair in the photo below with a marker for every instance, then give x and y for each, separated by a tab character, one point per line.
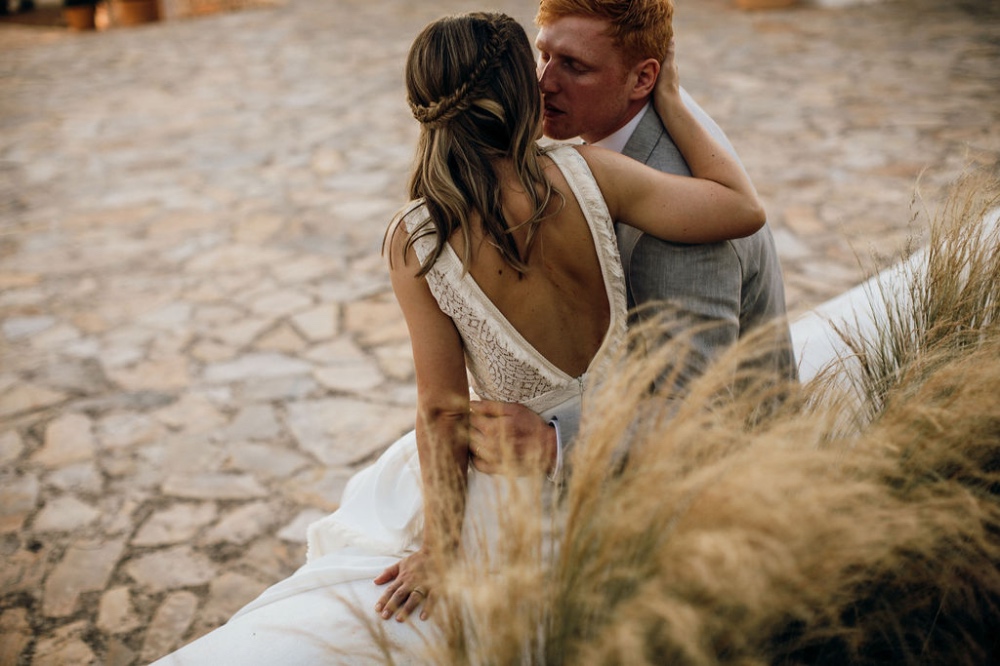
471	83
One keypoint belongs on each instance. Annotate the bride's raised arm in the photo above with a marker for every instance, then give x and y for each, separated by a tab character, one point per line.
718	203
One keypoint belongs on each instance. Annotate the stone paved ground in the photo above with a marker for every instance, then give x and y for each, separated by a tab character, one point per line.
198	343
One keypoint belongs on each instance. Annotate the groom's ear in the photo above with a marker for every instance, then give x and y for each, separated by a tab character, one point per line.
645	73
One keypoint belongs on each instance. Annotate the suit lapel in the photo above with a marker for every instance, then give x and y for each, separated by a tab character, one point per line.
647	134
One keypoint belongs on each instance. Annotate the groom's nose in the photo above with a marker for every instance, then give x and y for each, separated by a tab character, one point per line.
546	77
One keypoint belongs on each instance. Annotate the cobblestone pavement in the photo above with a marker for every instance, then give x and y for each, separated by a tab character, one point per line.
198	343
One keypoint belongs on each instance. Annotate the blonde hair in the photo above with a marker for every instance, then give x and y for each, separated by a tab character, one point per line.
640	28
471	82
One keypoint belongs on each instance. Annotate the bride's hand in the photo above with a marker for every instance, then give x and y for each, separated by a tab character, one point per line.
407	589
668	85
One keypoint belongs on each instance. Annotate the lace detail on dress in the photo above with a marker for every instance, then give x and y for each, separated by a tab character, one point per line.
502	364
497	365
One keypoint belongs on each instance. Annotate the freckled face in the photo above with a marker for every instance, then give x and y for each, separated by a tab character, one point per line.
586	87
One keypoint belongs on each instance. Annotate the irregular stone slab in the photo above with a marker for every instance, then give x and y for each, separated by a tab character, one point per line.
280	388
304	269
22	297
227	594
404	395
85	348
244	523
24	570
85	567
15	634
65	514
326	161
16	328
376	321
112	357
171	345
804	220
341	431
265	460
188	454
65	646
18	499
56	337
359	376
317	487
73	376
253	422
281	303
318	324
90	322
171	569
210	315
282	339
257	229
192	414
295	531
170	622
343	350
115	613
162	374
68	439
169	318
208	351
272	559
80	478
25	398
117	401
169	225
396	361
129	336
235	258
214	486
175	524
126	430
11	447
351	288
256	366
118	654
241	333
17	280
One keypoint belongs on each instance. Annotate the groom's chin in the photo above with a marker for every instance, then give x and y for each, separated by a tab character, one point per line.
556	132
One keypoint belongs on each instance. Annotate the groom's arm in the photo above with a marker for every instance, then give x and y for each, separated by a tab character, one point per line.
511	434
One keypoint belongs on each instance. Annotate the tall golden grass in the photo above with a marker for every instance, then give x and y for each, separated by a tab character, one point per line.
837	526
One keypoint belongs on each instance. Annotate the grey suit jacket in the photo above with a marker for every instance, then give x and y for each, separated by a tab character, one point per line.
720	291
724	289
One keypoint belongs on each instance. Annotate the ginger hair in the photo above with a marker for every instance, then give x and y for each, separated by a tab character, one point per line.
640	28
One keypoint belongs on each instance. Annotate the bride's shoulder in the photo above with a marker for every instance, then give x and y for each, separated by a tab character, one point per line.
408	217
409	220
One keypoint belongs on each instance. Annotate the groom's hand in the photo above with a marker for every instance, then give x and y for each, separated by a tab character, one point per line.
510	437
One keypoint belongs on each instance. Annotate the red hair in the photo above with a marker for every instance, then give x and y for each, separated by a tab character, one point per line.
640	28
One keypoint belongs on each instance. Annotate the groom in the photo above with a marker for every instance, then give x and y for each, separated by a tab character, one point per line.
597	66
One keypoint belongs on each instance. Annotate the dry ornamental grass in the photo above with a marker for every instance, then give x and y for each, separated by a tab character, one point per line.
850	522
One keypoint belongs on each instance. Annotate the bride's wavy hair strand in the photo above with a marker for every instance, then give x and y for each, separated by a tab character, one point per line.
471	82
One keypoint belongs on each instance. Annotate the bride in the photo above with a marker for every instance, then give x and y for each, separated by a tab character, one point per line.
506	269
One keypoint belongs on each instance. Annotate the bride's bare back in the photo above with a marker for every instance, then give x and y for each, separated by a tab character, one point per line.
560	304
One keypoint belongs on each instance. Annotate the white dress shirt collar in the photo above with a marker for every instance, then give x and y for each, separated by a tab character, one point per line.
617	140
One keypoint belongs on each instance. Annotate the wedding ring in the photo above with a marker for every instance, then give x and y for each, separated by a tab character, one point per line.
419	591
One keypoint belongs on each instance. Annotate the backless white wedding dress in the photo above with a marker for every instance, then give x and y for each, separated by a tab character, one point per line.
313	617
